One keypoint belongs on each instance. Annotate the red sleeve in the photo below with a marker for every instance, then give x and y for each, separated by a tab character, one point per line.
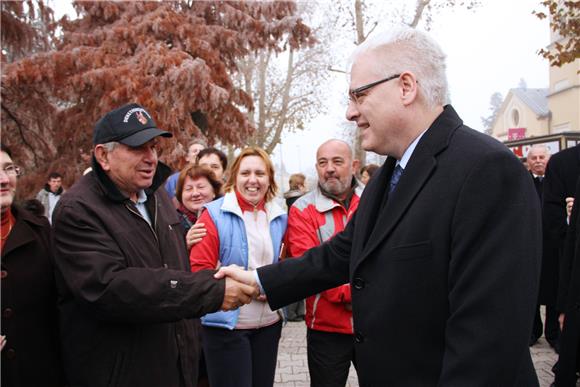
205	254
301	236
301	233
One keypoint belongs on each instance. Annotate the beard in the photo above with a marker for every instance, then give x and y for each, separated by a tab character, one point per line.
334	186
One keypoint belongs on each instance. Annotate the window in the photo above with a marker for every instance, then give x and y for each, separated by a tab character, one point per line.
515	118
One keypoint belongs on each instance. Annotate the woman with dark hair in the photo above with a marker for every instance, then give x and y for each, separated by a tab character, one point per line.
367	172
196	186
246	228
29	341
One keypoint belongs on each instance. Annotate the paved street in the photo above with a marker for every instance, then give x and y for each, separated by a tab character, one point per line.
292	367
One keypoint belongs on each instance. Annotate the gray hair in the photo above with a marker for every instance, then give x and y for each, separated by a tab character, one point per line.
109	146
538	147
406	49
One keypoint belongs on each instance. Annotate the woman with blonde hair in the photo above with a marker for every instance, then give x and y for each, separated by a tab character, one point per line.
246	228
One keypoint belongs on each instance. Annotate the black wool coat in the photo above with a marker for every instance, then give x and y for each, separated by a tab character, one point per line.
444	276
569	299
560	182
32	354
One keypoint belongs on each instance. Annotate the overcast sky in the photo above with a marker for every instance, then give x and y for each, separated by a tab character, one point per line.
488	50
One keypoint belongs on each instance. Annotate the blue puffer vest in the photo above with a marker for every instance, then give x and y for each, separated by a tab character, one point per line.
227	217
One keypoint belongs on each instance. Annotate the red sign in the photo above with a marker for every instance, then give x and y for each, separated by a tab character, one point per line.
516	134
518	151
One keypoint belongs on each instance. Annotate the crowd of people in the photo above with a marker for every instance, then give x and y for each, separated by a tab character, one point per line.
428	270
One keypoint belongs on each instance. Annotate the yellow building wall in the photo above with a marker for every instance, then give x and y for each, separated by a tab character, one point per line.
564	97
516	114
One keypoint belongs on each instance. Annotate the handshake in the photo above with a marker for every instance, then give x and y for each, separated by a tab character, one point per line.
241	287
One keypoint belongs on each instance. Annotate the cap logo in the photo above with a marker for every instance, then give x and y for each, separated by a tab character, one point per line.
141	118
139	112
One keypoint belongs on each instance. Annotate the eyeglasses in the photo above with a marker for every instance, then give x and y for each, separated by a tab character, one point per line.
11	170
355	94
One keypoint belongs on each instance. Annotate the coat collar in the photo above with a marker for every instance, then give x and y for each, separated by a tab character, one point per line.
161	174
323	203
230	204
418	171
59	191
21	233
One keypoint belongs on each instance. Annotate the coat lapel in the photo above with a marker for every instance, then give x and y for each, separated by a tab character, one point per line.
22	232
414	177
419	169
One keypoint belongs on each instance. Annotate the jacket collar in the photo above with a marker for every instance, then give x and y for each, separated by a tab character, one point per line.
230	204
21	232
58	191
161	174
324	203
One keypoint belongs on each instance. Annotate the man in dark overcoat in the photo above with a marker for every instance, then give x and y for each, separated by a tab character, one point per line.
443	253
537	158
569	302
559	183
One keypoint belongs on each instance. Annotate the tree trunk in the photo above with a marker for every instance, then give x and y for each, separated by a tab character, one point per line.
359	152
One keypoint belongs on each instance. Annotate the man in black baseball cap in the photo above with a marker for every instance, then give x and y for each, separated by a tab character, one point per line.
128	295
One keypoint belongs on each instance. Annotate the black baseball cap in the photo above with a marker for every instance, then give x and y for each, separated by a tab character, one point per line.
131	125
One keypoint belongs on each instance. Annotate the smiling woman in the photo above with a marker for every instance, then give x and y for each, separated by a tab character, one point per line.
245	228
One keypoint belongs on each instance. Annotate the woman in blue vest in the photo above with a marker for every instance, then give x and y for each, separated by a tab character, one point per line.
246	228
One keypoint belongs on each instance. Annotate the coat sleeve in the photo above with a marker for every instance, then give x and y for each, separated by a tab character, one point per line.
96	273
320	268
302	235
493	275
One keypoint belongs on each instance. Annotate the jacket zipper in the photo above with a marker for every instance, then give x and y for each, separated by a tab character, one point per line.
145	220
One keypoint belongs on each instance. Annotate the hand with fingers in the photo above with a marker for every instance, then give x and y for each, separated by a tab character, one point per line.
195	234
569	205
239	274
237	294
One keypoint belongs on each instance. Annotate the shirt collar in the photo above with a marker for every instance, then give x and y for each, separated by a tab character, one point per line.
141	197
409	151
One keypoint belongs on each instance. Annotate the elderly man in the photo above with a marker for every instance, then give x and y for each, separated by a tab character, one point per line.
537	158
315	218
127	295
443	253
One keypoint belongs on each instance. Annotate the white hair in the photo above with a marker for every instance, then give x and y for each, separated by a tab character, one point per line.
406	49
538	147
109	146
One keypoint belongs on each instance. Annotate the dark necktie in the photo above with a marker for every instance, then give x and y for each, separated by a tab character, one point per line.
395	177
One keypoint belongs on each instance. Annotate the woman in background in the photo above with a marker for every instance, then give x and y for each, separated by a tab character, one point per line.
367	172
196	186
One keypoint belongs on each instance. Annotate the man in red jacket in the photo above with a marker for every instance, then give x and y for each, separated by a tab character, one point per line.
313	219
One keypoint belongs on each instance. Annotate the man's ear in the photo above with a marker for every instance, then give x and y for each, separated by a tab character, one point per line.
102	156
355	166
409	89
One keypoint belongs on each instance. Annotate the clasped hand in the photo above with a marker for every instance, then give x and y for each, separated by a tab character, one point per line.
241	287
